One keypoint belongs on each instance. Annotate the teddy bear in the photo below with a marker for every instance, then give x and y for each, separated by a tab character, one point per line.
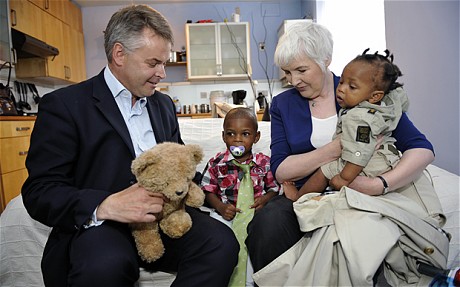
167	168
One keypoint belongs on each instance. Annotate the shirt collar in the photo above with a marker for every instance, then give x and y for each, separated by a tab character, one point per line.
117	88
114	85
228	157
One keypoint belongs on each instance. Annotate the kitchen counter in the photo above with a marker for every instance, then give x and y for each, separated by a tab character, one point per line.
17	118
195	116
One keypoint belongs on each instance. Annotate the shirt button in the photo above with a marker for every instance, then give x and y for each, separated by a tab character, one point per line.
428	250
357	153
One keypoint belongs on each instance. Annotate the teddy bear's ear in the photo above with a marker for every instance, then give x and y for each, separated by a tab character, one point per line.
146	159
196	151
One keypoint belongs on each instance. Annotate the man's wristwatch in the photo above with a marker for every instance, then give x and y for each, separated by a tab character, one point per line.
386	189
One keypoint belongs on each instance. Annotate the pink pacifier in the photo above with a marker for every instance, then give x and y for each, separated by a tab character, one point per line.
237	150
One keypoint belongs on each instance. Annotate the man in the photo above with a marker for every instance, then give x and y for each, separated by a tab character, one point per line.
80	182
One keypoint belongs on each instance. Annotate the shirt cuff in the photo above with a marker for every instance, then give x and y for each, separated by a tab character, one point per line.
93	221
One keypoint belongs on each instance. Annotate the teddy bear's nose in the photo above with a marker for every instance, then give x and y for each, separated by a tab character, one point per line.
179	192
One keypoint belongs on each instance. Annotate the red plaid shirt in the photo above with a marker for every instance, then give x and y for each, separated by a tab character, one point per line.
222	177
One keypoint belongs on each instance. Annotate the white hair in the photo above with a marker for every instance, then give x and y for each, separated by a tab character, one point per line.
305	39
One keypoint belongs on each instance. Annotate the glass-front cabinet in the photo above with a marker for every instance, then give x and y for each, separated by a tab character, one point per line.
5	41
218	51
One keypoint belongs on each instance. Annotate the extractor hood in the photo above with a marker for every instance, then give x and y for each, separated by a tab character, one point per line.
29	47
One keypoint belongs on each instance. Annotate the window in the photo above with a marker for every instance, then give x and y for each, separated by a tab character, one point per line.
355	26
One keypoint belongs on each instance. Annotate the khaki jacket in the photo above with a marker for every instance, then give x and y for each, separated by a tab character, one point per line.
349	234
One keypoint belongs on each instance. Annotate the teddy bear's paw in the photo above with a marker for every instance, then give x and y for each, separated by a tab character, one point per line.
148	241
151	253
176	224
195	197
152	250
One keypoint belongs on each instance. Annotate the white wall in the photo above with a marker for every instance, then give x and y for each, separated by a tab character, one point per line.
424	37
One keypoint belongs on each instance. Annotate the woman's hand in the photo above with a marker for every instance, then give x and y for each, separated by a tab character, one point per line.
298	166
409	168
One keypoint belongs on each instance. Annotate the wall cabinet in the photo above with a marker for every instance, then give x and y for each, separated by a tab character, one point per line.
5	39
14	145
57	8
25	17
66	35
218	51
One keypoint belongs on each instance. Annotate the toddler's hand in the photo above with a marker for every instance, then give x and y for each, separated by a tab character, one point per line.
290	191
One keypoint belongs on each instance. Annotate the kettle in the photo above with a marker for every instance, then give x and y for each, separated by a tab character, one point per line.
238	97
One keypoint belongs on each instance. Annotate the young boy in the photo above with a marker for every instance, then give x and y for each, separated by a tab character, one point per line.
223	177
372	103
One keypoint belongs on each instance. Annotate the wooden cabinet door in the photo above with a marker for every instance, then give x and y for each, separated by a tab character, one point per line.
11	184
57	8
9	129
75	55
54	36
73	18
13	153
25	17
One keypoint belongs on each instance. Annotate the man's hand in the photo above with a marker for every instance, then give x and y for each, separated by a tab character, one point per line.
134	204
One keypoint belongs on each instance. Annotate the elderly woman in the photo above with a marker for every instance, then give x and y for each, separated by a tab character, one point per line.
303	122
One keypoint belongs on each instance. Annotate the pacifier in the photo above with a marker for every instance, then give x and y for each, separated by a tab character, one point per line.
237	150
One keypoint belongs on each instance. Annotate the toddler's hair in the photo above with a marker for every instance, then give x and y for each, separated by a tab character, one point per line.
386	72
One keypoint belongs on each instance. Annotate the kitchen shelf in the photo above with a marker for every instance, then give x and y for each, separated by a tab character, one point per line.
171	64
195	116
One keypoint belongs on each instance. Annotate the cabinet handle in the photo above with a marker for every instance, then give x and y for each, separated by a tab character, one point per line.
47	4
22	129
15	58
14	20
23	152
67	72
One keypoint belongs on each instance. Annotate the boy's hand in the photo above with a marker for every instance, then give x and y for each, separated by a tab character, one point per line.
228	211
261	201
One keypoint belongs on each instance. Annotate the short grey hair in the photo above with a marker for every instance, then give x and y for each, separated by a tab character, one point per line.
127	25
305	39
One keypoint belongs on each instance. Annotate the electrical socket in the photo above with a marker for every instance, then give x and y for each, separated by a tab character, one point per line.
261	46
204	95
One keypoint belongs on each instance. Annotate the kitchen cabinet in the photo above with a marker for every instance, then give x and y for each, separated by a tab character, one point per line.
57	8
73	17
218	51
25	17
67	36
74	48
14	145
5	40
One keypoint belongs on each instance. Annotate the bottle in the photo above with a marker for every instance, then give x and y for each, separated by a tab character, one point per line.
177	104
183	54
441	277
